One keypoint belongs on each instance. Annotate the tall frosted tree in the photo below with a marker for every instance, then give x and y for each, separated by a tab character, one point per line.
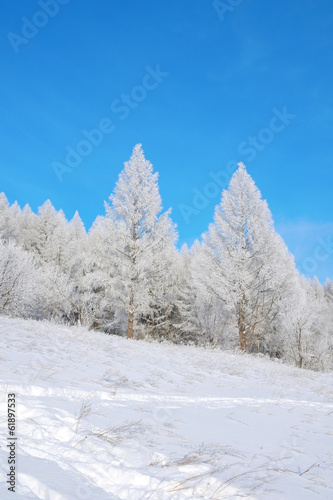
140	236
252	266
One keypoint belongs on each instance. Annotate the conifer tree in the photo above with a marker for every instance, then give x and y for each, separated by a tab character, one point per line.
140	234
251	263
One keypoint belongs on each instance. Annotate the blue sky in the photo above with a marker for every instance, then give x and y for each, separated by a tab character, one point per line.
199	84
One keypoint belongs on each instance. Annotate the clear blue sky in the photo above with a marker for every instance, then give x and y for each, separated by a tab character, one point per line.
198	86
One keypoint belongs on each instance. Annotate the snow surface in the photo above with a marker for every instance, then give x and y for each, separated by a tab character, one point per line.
100	417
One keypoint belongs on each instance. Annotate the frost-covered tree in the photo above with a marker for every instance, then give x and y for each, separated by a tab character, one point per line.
328	293
28	232
165	281
103	307
59	248
70	261
186	323
251	264
139	234
50	234
305	323
9	220
20	281
4	206
212	316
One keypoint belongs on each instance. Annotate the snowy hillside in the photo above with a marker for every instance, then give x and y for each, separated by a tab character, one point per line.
101	417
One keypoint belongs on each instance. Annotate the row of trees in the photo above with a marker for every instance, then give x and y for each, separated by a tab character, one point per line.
237	288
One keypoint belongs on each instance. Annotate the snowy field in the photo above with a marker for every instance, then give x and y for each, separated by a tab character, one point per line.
100	417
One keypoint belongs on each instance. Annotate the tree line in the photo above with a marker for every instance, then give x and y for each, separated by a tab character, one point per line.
238	288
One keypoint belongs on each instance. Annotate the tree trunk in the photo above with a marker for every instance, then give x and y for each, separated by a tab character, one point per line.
242	339
130	317
299	340
241	327
130	323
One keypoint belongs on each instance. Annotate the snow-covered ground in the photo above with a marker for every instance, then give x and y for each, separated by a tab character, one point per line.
100	417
